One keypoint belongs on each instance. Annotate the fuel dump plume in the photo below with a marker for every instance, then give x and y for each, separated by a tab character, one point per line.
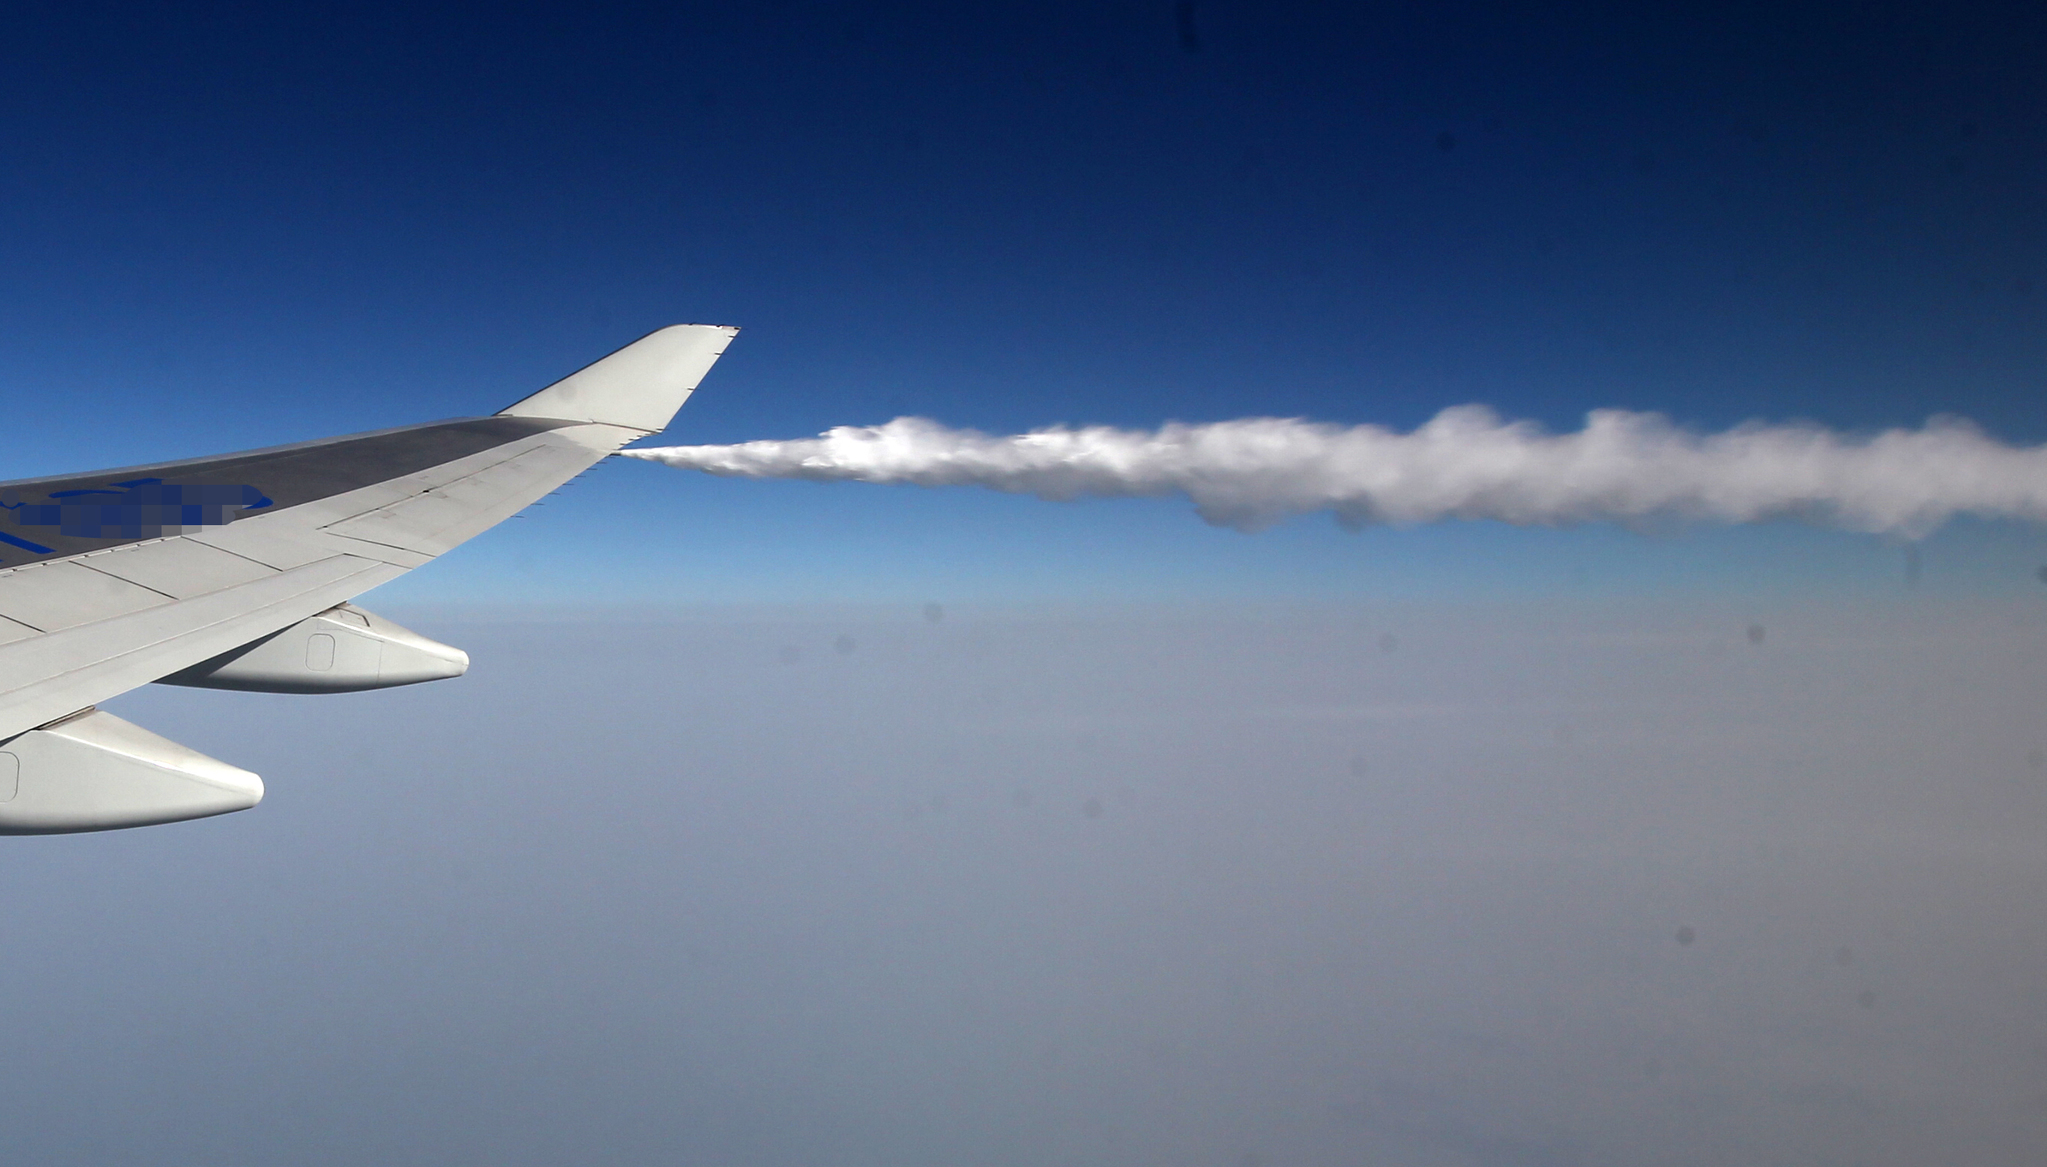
1466	463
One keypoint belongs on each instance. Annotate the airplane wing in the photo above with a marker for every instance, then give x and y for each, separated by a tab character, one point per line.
235	572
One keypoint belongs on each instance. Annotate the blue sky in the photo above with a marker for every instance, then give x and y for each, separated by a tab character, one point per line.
240	226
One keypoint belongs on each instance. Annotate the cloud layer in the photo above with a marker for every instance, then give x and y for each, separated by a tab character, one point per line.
1466	463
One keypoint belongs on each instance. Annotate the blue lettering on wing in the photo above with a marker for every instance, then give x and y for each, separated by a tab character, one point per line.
139	508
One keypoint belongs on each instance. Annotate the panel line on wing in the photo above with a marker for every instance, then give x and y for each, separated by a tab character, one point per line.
179	567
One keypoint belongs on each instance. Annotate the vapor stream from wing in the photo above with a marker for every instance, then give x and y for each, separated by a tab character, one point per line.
1466	463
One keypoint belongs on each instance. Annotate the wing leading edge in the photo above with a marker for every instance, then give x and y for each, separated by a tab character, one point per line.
113	580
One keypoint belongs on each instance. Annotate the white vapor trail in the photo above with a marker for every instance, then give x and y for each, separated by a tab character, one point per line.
1466	463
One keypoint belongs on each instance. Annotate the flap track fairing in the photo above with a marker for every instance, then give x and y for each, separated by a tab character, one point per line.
93	771
341	650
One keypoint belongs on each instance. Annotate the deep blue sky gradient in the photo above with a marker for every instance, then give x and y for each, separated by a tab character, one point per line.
238	226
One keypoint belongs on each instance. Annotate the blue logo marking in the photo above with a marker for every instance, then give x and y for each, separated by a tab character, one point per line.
139	508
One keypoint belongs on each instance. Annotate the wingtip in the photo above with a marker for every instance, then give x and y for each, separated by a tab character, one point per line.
640	386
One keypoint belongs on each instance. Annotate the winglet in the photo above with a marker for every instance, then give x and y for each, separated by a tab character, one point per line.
640	386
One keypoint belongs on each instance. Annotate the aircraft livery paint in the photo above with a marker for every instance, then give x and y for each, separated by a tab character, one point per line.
137	508
54	518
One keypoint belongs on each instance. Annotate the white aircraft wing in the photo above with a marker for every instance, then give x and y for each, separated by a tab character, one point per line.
234	572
